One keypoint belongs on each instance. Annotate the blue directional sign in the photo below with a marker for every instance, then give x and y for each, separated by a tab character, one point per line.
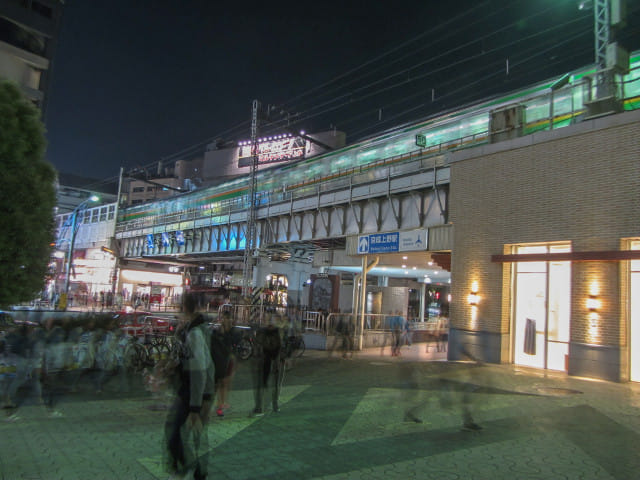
378	243
390	242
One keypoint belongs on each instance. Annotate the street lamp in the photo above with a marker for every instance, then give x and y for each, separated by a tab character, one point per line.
72	240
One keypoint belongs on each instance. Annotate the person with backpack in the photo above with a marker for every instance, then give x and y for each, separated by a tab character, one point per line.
195	384
268	363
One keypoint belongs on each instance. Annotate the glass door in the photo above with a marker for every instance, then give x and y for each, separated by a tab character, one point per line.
542	309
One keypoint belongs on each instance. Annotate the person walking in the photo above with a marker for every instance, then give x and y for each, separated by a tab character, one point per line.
222	340
396	325
268	363
185	433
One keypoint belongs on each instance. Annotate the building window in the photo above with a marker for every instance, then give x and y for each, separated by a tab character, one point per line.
112	212
22	38
138	189
150	189
103	214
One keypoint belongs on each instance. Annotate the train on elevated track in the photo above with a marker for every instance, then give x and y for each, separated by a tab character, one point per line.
457	129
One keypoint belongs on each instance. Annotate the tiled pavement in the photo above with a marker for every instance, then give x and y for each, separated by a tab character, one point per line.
345	419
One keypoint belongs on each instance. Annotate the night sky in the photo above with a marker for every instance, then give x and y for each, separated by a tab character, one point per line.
136	81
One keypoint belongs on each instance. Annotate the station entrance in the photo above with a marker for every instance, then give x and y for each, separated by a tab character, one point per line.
415	285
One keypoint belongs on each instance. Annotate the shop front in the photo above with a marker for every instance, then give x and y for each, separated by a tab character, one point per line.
149	290
546	260
91	276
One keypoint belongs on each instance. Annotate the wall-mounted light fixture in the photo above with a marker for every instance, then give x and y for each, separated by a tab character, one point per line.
593	303
473	297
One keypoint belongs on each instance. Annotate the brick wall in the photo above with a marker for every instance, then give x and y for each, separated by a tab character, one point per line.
580	184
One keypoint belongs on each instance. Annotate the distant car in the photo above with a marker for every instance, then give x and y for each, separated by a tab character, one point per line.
161	324
139	324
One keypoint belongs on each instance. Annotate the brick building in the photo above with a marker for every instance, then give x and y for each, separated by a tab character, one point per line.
547	238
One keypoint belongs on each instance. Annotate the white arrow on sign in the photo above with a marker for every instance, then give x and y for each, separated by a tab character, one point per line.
363	245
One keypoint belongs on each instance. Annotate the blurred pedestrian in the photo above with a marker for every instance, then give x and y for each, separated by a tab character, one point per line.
16	359
26	346
57	359
461	392
83	346
107	355
185	434
407	334
268	365
343	337
396	325
222	341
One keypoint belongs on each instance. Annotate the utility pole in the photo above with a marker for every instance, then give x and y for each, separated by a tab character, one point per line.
602	30
611	59
250	236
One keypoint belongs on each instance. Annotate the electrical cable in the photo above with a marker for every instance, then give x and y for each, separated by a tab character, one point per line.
447	52
466	60
392	50
312	112
414	39
459	89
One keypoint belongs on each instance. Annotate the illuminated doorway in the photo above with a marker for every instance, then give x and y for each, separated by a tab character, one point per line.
542	309
277	287
634	342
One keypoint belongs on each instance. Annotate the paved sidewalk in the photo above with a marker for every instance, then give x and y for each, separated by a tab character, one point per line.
348	419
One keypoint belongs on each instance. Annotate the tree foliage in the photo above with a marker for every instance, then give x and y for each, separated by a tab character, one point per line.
27	198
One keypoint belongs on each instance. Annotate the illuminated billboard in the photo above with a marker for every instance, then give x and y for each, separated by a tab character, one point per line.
280	148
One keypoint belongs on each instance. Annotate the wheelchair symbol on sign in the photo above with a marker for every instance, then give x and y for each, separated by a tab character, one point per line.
363	245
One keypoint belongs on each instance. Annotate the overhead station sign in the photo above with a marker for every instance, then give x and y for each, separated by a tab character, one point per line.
392	242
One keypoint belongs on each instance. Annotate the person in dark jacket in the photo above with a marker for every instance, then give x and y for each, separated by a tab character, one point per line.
185	426
268	363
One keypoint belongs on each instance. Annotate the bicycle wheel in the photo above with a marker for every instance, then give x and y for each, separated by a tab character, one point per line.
244	349
157	352
135	357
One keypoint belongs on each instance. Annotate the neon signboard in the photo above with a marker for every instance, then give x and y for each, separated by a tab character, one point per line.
280	148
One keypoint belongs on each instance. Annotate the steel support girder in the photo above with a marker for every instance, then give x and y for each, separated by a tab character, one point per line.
414	209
